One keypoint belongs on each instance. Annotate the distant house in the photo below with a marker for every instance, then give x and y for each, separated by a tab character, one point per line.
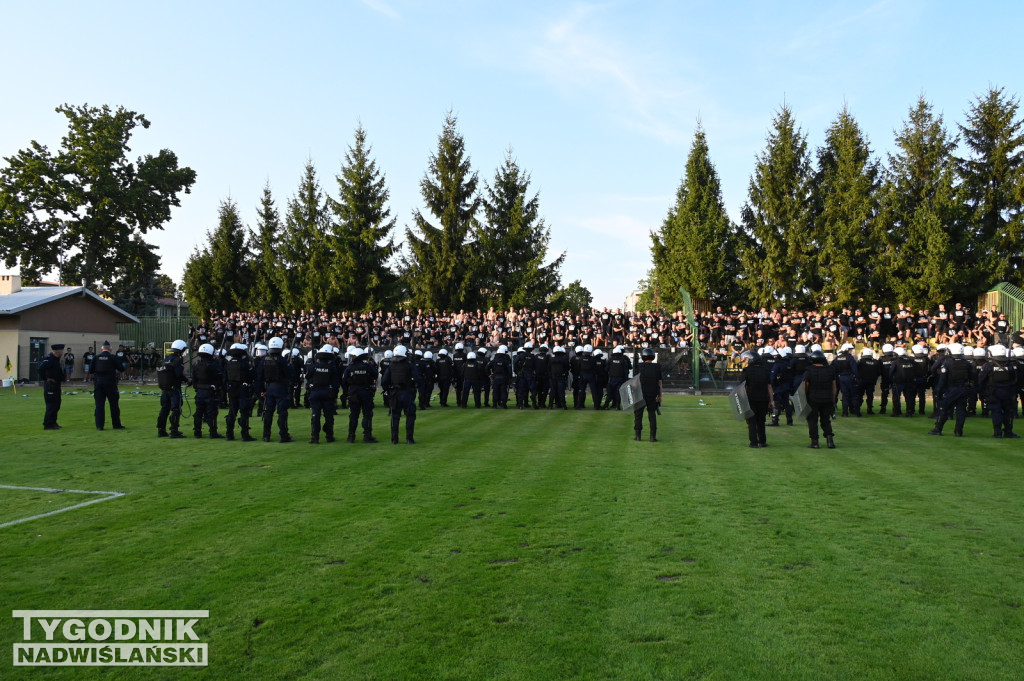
35	317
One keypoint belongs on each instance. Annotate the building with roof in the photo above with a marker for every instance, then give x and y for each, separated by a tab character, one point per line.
32	318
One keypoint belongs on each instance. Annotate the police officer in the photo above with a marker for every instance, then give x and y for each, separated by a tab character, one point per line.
885	363
821	386
170	374
618	372
472	379
485	377
997	384
360	379
400	377
868	369
588	377
321	380
51	373
428	373
298	367
445	372
519	363
106	368
979	358
845	367
500	369
275	380
600	377
922	371
542	374
956	374
757	377
781	377
458	361
239	378
559	377
206	378
902	379
650	388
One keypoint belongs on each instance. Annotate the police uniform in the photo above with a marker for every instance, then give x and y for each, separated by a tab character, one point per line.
869	370
559	378
239	380
206	379
650	388
275	379
997	384
845	367
500	370
106	368
321	380
472	380
820	383
170	374
542	375
445	371
782	373
360	379
618	372
956	375
400	376
51	373
757	377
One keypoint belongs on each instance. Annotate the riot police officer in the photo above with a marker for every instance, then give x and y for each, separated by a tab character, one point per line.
845	367
239	378
274	377
445	372
868	369
500	369
618	372
458	361
782	374
169	377
757	377
472	379
542	375
559	377
400	377
902	380
321	381
206	378
428	373
360	379
106	368
955	376
821	387
51	374
650	388
997	383
885	363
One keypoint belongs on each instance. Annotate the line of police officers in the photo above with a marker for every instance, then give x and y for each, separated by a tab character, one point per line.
957	375
271	379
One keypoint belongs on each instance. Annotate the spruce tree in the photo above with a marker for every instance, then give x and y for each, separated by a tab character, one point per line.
696	247
266	267
513	243
307	255
991	178
441	266
216	276
918	236
844	203
362	233
778	252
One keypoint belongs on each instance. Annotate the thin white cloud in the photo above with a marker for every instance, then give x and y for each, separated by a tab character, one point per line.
383	8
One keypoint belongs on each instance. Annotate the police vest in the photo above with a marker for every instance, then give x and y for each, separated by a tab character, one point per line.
869	369
920	366
321	375
204	375
360	375
1002	374
820	380
560	366
167	372
105	366
757	378
444	366
618	366
273	372
472	370
959	371
500	366
905	369
401	375
233	369
843	367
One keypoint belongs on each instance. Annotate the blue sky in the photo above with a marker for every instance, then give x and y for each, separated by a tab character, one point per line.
598	101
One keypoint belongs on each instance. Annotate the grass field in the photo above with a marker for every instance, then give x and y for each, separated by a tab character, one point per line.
529	545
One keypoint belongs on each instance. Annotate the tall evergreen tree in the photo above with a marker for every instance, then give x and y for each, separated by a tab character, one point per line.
362	232
306	249
778	252
441	267
991	178
217	276
267	270
513	243
918	235
696	247
844	203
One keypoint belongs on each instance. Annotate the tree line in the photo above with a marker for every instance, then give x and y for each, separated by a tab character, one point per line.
940	221
471	246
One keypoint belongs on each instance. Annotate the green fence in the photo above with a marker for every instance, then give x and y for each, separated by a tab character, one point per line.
155	331
1008	299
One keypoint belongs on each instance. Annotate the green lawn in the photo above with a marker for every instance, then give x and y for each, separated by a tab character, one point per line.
530	545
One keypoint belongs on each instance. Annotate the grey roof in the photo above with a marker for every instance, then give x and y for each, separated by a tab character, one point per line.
34	296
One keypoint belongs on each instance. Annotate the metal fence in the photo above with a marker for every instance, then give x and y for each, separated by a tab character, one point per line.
155	331
1008	299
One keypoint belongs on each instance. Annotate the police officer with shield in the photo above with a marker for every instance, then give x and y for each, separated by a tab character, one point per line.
169	377
650	388
821	386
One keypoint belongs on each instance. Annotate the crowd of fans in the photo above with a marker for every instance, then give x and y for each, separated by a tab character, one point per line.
720	332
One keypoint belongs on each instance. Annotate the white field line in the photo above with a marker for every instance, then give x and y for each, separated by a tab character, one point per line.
110	495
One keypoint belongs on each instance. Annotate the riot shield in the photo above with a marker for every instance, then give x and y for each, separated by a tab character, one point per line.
630	395
801	408
739	403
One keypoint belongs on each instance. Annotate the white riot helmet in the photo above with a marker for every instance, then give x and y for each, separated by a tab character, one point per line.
558	350
329	349
816	347
920	350
900	352
866	352
179	346
955	349
388	354
401	351
238	346
502	349
482	351
771	350
887	347
846	347
418	353
598	353
261	350
471	355
459	346
428	355
275	343
206	349
586	348
617	350
997	350
801	349
978	352
335	349
785	351
442	351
